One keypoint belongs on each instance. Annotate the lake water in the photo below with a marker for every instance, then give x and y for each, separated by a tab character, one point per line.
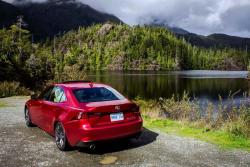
204	85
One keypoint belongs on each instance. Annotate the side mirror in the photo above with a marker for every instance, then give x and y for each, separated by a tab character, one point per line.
34	96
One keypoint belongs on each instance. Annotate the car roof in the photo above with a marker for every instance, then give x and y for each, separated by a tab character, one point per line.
81	84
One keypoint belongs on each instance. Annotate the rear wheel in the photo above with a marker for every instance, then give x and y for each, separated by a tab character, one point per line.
27	118
61	139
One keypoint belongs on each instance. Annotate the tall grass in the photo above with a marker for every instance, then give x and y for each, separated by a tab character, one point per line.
12	89
233	119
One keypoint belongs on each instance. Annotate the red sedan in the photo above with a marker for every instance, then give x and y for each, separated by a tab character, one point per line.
81	113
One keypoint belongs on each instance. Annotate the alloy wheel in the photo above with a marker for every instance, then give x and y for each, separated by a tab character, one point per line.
27	118
60	136
26	115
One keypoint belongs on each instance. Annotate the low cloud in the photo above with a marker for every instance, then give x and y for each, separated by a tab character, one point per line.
203	17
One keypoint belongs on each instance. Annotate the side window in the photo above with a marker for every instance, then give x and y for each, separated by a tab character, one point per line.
58	95
45	95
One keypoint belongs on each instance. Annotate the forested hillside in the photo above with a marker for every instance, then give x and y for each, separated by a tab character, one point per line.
120	47
105	47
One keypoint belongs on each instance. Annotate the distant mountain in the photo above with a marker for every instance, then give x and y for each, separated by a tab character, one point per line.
232	41
178	30
8	14
162	23
49	18
210	41
216	40
53	16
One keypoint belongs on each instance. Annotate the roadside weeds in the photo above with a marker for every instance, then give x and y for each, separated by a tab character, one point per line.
230	129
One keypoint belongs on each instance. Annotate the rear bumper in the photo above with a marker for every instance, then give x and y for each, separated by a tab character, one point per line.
83	135
83	144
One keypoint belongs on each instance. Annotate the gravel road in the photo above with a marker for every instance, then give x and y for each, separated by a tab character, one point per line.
23	146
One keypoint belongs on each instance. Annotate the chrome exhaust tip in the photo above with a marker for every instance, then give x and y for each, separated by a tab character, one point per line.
92	147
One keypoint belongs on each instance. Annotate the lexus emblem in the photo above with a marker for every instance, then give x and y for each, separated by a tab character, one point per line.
117	107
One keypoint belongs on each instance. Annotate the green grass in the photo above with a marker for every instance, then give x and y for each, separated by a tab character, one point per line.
2	104
221	138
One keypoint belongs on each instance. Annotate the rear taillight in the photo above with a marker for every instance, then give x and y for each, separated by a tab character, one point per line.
135	109
82	115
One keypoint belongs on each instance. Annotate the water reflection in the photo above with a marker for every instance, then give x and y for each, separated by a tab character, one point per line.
206	85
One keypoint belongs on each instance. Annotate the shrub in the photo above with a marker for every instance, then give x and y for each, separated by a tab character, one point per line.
234	120
12	89
70	73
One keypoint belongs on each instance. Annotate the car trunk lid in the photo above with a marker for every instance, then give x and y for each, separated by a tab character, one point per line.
110	112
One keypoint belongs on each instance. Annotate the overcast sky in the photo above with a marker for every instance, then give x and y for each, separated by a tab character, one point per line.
198	16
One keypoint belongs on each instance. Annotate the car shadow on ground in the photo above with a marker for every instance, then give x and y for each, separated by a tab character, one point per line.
146	138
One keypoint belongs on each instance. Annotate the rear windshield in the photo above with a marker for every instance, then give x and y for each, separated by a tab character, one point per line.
97	94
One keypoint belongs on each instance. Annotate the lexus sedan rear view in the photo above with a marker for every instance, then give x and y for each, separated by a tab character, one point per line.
82	113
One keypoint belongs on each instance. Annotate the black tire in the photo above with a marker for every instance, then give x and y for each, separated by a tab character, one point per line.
60	138
27	118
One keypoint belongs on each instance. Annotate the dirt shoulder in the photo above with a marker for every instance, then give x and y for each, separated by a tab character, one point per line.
23	146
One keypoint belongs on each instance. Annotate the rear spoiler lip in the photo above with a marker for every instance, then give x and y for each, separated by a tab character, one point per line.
77	109
94	109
